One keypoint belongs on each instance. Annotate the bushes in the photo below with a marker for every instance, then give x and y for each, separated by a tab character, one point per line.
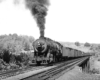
94	71
13	61
19	59
2	64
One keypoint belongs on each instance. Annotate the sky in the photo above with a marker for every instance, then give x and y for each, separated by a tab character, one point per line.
67	20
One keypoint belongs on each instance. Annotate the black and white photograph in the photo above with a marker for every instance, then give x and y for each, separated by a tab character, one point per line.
49	40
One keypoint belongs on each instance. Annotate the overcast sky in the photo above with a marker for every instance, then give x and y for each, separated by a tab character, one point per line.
67	20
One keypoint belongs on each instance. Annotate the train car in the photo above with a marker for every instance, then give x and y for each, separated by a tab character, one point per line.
47	51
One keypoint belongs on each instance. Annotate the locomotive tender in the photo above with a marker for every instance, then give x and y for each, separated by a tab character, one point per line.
48	51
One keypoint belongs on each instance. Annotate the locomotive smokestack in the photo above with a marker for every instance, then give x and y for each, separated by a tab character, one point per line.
39	11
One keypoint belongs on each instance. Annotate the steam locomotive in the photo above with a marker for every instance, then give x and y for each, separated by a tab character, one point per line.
48	51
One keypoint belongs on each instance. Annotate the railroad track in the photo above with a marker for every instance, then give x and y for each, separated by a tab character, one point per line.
51	74
14	72
10	73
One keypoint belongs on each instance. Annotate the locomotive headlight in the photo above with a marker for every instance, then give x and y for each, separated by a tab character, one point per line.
40	46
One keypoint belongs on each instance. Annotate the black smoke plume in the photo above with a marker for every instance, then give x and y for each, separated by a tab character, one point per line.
39	11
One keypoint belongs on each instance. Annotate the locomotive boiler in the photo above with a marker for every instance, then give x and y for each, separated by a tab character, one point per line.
48	51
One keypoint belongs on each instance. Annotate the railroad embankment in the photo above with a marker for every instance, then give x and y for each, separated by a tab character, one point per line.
78	74
95	64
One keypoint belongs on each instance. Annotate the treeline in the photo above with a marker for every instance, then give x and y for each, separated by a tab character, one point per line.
15	43
85	44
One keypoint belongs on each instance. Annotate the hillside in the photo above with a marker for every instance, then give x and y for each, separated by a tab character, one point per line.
15	43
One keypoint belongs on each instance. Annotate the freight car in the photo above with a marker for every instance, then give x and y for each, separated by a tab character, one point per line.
69	52
49	51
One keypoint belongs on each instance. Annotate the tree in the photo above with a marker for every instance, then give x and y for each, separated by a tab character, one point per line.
26	45
6	56
87	44
77	43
